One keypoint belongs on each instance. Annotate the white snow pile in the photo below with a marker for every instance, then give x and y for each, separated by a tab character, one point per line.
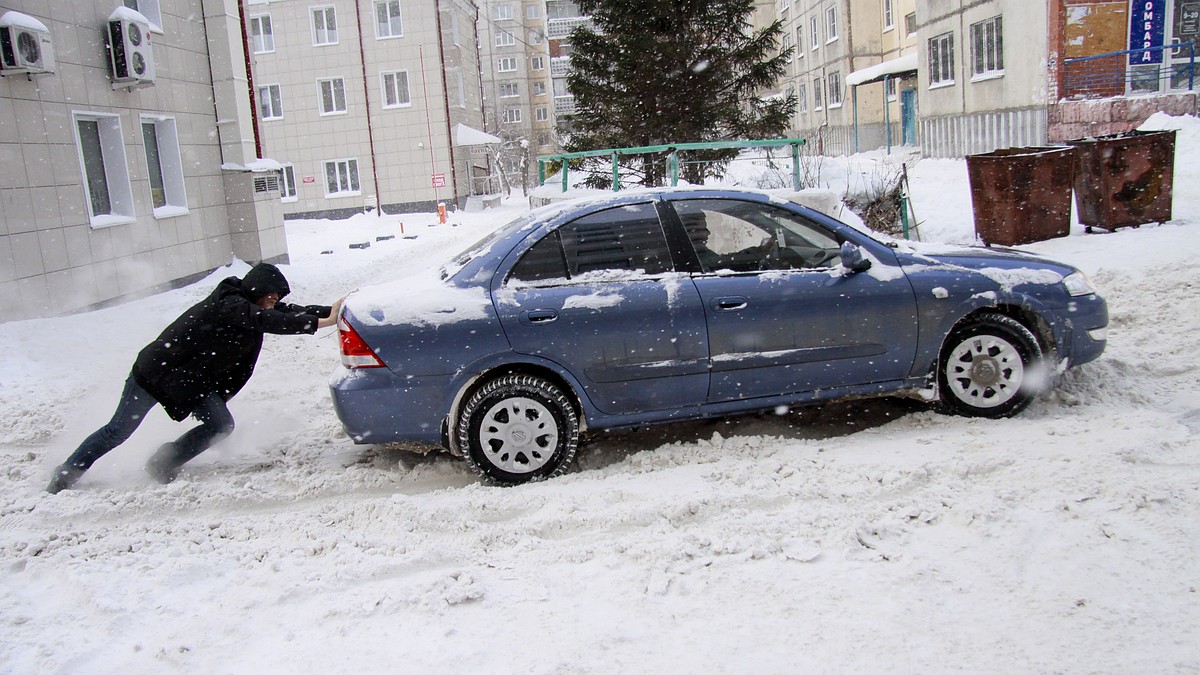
870	536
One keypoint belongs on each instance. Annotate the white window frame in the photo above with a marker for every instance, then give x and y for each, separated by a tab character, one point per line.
814	33
509	90
910	27
537	63
532	11
511	116
502	12
170	165
149	9
818	88
330	35
276	102
889	15
539	89
263	41
383	31
831	24
993	56
334	83
802	98
785	44
535	37
393	88
345	175
505	39
800	42
117	186
890	88
833	90
541	114
941	60
503	61
287	183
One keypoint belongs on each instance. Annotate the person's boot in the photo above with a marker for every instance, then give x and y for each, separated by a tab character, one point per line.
64	478
163	466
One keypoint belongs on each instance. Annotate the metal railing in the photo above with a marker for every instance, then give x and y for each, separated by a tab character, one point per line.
1113	74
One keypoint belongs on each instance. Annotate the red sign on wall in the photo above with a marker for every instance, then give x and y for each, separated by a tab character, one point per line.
439	180
309	179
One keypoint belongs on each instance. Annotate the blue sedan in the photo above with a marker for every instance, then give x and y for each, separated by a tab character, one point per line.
676	304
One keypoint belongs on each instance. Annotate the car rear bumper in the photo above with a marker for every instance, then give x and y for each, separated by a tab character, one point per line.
376	406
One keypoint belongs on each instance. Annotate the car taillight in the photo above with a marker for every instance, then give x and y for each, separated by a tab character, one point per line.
355	352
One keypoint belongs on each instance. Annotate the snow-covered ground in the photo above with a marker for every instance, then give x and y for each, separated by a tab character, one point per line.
874	536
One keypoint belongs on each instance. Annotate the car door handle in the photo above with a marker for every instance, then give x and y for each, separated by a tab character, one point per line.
730	304
539	316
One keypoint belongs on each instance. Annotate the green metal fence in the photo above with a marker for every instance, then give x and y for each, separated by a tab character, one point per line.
672	158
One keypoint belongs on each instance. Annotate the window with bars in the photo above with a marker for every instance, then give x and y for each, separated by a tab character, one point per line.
834	89
817	87
941	59
987	48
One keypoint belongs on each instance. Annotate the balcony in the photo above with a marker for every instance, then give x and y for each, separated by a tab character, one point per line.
564	105
557	29
560	67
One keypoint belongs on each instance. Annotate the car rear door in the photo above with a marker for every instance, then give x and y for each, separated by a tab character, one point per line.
599	296
782	315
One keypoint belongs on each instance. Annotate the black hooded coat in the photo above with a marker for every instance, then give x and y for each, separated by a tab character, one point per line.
213	346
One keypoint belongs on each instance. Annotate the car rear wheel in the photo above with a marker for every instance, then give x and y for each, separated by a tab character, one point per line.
518	428
987	367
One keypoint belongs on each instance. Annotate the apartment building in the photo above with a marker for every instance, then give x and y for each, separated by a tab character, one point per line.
518	100
358	101
128	149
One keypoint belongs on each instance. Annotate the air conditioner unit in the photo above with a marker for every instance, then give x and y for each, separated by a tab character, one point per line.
25	45
130	53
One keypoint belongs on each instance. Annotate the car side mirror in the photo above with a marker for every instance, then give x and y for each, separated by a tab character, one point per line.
852	258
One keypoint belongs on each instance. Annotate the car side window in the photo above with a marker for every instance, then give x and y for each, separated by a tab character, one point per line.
743	236
626	239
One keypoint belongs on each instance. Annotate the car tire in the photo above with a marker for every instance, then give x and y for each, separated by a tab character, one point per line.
518	428
987	367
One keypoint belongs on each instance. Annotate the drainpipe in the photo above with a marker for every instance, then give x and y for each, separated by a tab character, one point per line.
437	8
362	60
258	153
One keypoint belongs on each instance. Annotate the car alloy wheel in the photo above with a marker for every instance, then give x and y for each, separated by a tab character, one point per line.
518	428
986	367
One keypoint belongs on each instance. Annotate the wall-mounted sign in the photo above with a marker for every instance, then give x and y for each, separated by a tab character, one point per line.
439	180
1147	23
308	179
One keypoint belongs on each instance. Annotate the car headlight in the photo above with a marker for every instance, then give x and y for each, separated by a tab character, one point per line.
1078	284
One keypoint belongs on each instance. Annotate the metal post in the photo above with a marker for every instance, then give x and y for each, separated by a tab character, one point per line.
796	166
854	96
673	167
616	174
541	172
887	117
564	173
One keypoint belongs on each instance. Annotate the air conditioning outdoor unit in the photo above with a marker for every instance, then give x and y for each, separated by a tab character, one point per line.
25	45
130	53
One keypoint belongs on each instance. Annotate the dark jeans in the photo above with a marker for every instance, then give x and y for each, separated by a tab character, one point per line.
215	423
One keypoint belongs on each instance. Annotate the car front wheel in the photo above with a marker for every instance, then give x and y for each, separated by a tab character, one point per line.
987	367
518	428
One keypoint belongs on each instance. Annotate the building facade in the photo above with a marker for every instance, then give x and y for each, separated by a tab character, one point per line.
358	101
518	98
129	159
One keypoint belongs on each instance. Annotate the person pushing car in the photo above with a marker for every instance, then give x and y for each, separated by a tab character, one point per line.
195	366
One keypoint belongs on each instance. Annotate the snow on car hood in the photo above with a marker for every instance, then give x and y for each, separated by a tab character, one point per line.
421	300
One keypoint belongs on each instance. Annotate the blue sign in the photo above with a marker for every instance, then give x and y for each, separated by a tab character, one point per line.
1147	28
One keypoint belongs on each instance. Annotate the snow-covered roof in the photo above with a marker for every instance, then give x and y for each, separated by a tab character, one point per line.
896	66
259	165
465	135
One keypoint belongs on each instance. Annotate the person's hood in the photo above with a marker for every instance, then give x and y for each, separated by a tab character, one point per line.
262	279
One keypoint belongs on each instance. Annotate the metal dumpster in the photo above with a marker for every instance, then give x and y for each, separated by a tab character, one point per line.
1124	180
1022	195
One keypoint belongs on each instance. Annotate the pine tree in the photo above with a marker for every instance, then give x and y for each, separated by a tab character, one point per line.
654	72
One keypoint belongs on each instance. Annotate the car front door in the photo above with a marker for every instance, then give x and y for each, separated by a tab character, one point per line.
599	296
783	316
